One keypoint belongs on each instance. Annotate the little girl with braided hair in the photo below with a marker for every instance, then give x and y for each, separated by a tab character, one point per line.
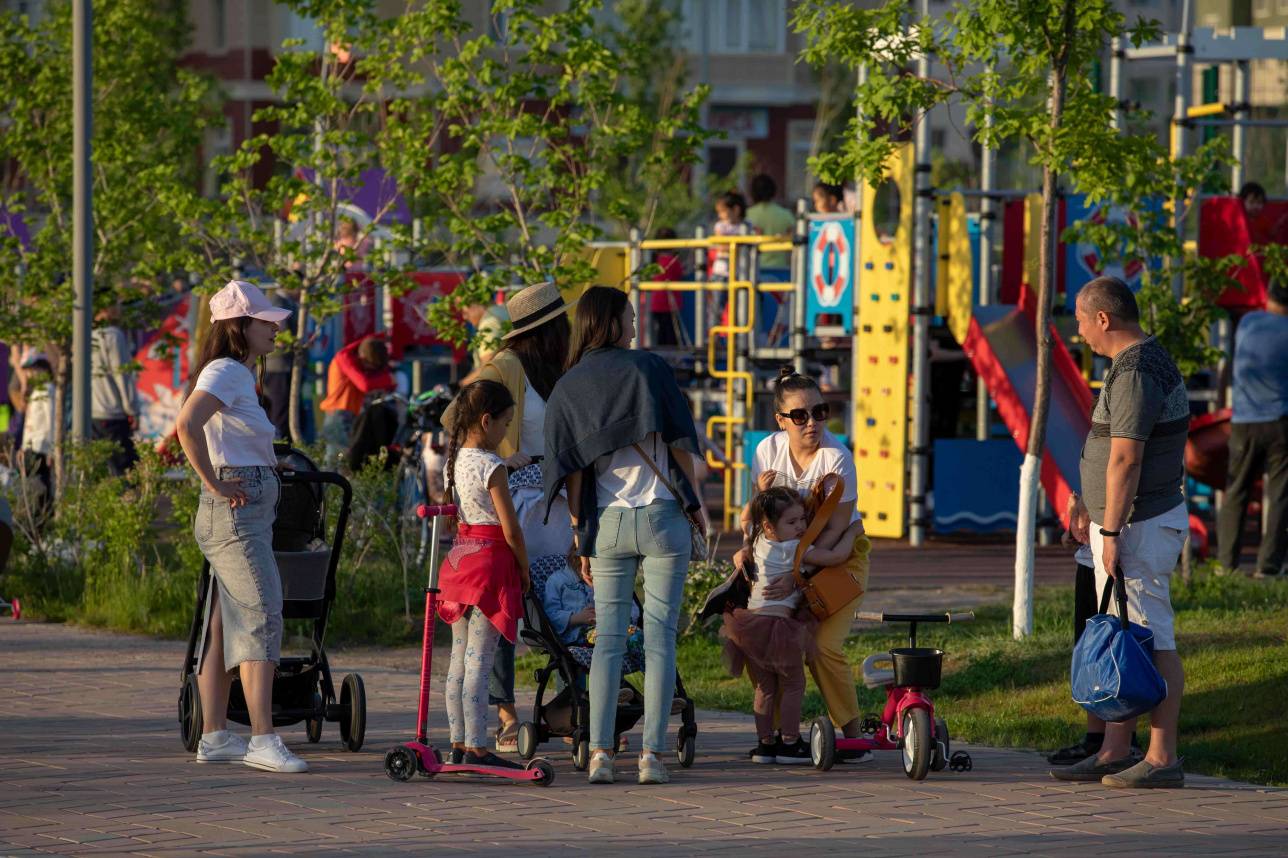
486	573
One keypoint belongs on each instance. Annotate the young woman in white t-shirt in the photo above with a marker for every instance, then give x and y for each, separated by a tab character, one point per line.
228	439
798	457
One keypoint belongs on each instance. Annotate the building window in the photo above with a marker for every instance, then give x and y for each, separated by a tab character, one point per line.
219	21
736	26
800	145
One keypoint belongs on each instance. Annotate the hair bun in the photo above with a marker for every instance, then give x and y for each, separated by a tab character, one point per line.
787	370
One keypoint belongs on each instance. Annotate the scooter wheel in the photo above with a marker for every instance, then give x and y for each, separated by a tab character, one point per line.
400	763
822	743
424	772
961	762
547	772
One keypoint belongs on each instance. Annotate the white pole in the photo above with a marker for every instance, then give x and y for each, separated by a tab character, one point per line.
1022	608
987	220
1239	132
1184	83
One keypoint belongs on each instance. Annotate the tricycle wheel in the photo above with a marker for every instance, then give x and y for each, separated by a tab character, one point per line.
547	772
686	748
822	743
526	739
353	712
400	763
917	744
942	749
190	713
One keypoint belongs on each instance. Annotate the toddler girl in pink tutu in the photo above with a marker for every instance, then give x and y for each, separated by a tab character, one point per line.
771	637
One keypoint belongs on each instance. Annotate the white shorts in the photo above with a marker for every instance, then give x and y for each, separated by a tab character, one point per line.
1147	552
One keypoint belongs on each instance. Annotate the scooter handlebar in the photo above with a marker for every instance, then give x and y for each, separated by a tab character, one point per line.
427	511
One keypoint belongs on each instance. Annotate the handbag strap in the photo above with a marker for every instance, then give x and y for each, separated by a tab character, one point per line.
1116	586
669	486
821	517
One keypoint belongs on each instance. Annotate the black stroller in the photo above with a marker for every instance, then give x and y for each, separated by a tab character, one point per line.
567	713
302	686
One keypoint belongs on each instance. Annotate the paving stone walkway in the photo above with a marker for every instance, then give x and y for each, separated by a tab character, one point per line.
91	764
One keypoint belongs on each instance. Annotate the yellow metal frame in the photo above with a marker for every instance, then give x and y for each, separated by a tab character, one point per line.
731	286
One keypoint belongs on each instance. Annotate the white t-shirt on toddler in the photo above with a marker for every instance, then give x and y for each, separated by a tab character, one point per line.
239	434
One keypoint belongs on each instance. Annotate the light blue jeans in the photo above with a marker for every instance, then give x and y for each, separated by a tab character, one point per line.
655	539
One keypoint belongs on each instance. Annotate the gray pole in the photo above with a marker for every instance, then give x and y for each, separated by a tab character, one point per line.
1184	55
1239	130
797	297
635	261
1116	81
82	215
921	251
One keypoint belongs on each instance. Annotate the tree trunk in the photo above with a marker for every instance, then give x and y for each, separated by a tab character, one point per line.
1026	521
62	384
298	357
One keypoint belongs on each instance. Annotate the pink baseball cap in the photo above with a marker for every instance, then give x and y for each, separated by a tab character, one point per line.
240	298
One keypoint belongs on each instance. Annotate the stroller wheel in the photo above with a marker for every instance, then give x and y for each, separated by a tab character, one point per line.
547	772
527	740
400	763
686	748
190	713
353	712
581	755
313	726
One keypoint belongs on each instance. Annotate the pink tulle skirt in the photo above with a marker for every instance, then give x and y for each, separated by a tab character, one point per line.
765	642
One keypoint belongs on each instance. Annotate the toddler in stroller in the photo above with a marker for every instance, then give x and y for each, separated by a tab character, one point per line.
558	620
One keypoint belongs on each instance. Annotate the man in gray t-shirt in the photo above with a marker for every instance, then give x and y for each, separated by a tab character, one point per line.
1133	514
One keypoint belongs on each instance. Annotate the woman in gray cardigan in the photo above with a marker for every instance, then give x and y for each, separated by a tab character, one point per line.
619	433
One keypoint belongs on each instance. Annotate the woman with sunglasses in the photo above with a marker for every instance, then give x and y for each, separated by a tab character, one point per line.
798	457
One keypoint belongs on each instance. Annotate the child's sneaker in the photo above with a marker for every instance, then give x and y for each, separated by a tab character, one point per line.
764	754
489	759
795	754
778	738
652	771
601	768
225	748
456	756
271	754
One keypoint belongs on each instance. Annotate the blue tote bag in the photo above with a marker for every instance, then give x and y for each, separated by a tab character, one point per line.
1113	675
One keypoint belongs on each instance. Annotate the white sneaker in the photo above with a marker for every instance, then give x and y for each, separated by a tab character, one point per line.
652	771
231	750
273	756
601	768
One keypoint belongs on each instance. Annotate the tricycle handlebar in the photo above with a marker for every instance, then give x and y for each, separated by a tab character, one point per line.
882	617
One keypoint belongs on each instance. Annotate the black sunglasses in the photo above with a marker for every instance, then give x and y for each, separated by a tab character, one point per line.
801	416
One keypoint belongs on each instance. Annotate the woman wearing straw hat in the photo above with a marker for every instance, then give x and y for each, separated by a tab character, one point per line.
531	359
228	439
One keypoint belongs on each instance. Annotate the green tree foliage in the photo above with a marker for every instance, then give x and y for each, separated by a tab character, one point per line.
509	134
148	116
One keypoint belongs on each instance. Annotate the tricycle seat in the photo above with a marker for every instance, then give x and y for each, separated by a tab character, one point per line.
878	670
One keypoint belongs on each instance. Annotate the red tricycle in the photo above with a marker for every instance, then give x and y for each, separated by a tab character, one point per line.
908	722
404	761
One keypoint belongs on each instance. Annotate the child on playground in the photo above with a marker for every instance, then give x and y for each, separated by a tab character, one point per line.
486	572
731	212
771	637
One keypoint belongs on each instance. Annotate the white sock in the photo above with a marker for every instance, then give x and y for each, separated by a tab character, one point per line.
215	737
261	741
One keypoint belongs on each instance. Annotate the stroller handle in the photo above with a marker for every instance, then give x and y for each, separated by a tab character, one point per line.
428	511
948	617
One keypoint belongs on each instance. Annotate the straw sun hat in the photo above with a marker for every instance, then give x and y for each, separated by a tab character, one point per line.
533	307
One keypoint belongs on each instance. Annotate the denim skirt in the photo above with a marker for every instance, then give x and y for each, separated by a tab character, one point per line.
238	542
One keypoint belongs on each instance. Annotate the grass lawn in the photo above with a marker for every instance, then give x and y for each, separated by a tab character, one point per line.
1233	639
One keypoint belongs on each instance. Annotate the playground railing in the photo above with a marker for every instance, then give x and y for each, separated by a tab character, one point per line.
724	431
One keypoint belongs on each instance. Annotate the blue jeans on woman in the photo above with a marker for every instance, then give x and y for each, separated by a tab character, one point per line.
653	538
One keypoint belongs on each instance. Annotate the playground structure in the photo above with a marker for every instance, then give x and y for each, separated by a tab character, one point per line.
855	296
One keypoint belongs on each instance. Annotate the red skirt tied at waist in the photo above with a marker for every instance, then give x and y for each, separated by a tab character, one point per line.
481	572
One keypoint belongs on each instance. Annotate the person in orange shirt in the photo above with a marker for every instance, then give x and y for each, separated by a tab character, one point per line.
360	368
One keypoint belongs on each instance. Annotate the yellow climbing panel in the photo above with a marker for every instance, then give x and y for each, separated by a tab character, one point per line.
881	370
955	286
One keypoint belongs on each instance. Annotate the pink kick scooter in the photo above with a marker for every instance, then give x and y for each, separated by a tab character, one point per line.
405	761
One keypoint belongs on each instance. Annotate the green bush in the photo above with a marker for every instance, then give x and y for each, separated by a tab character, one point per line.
118	552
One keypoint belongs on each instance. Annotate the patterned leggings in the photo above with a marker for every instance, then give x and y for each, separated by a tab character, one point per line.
473	649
